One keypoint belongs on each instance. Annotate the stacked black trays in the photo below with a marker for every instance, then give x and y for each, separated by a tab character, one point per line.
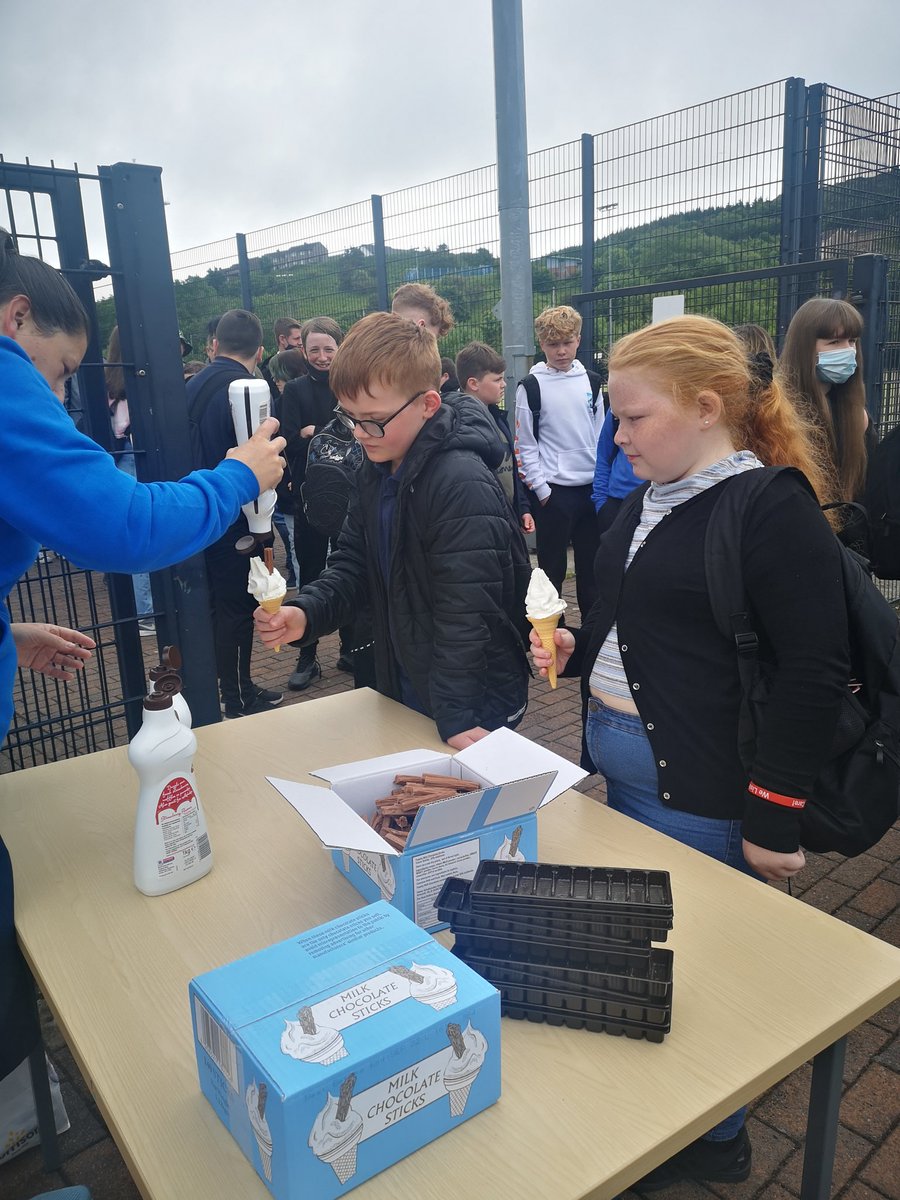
568	945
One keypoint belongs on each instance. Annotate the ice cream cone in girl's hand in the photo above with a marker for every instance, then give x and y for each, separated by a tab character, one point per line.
543	607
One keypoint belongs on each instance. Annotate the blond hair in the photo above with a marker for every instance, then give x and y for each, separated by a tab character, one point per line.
557	324
387	351
423	300
690	355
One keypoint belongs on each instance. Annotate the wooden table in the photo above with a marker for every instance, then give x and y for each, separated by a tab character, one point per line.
762	982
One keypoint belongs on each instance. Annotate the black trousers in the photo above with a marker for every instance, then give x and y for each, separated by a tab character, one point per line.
568	516
233	609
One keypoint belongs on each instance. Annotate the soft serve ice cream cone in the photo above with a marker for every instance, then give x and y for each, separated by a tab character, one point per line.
267	587
543	607
337	1131
468	1050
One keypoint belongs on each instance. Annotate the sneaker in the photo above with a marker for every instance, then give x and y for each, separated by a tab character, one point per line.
147	627
305	674
715	1162
233	711
345	663
260	695
259	705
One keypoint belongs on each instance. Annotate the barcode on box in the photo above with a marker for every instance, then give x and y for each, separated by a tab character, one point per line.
203	846
263	412
217	1044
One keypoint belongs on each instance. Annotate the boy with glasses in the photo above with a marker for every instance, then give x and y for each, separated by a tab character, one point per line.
429	540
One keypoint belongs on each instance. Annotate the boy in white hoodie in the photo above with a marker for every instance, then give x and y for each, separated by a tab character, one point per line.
556	451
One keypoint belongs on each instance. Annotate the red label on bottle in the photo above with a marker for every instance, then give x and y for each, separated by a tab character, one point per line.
177	791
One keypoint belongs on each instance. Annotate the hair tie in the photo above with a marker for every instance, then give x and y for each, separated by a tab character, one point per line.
762	369
9	244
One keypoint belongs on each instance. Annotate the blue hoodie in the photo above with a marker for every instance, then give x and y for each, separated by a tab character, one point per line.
60	489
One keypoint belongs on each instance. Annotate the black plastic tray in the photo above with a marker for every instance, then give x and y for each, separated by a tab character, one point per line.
659	1015
616	956
593	889
553	1016
649	980
454	905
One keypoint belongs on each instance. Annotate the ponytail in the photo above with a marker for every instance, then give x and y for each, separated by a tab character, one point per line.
55	308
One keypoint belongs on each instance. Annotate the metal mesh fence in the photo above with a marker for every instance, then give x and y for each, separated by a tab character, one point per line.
693	192
317	266
446	234
860	205
207	283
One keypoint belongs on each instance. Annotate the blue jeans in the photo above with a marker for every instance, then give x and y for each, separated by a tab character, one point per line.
622	754
143	597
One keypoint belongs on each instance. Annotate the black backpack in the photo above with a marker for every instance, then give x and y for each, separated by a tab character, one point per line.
532	386
332	460
883	505
855	797
213	383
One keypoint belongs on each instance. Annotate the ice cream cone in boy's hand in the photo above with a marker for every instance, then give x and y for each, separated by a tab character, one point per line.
268	588
543	607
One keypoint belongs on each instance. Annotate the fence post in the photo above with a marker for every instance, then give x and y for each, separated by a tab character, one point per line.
244	269
870	295
811	197
381	281
791	197
586	350
516	303
148	327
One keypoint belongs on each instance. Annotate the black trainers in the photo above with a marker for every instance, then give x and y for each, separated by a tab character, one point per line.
305	674
264	696
715	1162
345	663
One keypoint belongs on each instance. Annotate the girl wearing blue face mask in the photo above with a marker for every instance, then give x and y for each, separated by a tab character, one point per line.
822	367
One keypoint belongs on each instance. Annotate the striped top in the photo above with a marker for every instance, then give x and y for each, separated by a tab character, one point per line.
608	673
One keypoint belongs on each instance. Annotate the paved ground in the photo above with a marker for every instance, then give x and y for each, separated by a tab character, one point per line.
864	892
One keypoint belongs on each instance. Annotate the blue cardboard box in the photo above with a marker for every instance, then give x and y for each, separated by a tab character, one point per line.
447	837
336	1053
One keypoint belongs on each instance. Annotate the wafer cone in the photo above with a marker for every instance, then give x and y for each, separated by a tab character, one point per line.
273	605
544	627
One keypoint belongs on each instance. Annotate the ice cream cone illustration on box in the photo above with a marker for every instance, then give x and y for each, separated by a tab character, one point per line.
543	608
509	848
303	1040
468	1048
435	986
267	587
384	877
336	1132
256	1108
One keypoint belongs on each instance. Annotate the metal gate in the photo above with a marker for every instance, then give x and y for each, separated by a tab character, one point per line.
44	210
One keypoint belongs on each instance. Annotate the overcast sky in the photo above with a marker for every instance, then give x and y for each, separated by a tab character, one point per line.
262	112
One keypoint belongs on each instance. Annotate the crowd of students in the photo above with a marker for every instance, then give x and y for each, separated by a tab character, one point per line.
430	565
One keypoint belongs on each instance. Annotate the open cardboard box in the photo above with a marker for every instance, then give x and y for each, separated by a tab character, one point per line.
448	837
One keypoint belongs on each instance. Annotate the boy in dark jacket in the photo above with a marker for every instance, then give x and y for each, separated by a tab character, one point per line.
429	540
481	373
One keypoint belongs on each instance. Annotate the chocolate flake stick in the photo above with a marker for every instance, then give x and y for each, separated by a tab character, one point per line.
269	559
406	973
450	781
454	1033
261	1094
514	841
346	1093
307	1020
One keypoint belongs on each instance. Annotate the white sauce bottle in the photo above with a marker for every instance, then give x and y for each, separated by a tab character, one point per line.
171	843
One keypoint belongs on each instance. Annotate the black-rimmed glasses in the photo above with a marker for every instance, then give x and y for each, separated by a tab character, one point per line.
370	426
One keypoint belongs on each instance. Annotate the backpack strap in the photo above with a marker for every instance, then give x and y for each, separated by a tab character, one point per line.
532	387
723	559
596	381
